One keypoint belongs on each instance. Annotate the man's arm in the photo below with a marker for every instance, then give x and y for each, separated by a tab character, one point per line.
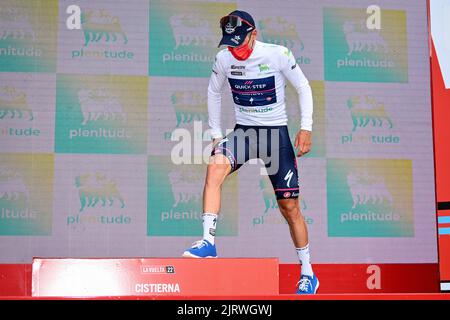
216	82
298	80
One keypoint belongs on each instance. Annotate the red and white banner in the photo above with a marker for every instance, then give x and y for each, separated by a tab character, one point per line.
166	277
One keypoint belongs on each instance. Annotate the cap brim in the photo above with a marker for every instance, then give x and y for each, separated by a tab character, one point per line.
230	40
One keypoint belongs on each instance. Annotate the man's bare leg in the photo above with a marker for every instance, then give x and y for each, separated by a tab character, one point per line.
218	169
290	209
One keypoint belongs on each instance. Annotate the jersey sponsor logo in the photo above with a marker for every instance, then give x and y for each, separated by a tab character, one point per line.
253	92
237	67
237	73
263	67
255	110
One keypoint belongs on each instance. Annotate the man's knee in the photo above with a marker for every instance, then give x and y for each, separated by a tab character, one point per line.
289	208
218	169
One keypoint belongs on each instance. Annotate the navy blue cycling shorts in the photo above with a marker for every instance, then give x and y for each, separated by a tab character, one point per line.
273	146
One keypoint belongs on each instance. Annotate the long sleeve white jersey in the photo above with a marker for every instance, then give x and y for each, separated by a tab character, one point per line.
258	88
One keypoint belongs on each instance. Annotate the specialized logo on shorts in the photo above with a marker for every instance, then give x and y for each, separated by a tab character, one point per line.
28	37
355	53
288	178
175	200
26	193
278	30
107	114
370	198
371	122
254	92
96	190
187	34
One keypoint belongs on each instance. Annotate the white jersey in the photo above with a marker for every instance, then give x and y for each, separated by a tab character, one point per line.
258	87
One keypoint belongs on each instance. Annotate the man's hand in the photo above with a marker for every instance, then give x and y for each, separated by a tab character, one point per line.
303	142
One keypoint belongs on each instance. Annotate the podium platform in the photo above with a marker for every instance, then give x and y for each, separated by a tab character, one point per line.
154	277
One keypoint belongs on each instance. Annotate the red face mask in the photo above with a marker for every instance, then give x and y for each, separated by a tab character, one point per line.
242	52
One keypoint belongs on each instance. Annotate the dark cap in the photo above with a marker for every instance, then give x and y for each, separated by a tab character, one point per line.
233	34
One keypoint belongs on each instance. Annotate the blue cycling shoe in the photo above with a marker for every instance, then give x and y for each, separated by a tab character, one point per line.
307	284
201	249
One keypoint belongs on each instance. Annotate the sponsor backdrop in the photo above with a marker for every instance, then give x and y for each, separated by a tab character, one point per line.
104	131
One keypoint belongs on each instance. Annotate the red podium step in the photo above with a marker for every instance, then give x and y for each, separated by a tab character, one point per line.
144	277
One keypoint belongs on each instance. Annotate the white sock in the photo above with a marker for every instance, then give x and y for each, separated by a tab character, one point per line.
209	226
305	260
